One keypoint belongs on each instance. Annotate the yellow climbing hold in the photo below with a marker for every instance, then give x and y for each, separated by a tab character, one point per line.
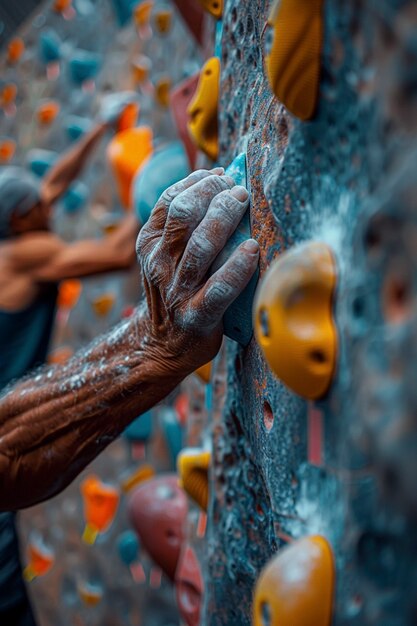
294	322
294	61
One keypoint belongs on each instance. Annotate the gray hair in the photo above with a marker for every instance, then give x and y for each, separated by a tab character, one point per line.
19	193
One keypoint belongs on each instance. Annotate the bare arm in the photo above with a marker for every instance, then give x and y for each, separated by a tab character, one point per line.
58	420
69	166
46	258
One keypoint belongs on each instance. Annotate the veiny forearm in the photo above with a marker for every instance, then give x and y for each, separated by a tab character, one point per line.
69	166
55	422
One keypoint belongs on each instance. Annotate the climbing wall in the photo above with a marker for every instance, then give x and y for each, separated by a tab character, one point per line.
304	437
340	466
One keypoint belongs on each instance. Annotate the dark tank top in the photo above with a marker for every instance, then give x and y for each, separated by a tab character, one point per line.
24	341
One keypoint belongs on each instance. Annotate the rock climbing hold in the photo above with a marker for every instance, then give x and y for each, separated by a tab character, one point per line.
47	112
90	593
76	197
294	321
8	94
143	473
293	64
7	150
172	430
163	20
164	168
69	292
100	506
180	98
296	586
49	46
84	66
103	304
203	109
15	50
215	7
193	466
162	90
127	152
128	547
40	161
204	372
141	67
158	512
60	6
76	126
140	429
189	587
41	559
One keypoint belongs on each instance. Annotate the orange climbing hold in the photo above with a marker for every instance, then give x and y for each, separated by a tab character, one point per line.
144	472
100	506
126	153
60	355
129	117
90	594
41	560
294	323
7	150
47	112
15	50
296	587
203	109
69	293
294	61
142	13
193	467
8	94
60	6
215	7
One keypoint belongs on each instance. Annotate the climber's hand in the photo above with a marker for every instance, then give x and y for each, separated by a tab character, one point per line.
188	228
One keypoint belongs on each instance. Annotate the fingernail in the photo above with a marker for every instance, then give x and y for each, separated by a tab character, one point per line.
217	170
251	246
240	193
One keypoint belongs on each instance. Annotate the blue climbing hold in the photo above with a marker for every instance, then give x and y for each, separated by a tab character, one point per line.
49	46
76	197
140	429
84	66
128	547
39	161
76	126
167	166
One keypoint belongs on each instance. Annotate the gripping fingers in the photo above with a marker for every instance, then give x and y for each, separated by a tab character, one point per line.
153	228
228	282
160	211
223	216
189	207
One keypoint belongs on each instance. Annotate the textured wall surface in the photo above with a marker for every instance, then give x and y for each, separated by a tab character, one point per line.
345	178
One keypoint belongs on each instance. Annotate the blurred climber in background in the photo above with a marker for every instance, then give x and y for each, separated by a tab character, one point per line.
57	420
32	262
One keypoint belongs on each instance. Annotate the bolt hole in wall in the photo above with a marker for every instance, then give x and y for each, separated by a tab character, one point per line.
397	298
268	416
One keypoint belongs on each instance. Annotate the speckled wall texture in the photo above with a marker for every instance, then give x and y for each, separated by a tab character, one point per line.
346	178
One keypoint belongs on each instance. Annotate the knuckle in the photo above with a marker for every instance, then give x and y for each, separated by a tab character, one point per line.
181	208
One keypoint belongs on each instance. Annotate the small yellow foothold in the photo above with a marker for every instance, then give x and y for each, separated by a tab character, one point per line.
294	323
193	465
296	587
215	7
203	110
163	21
103	304
294	62
162	90
204	372
144	472
90	534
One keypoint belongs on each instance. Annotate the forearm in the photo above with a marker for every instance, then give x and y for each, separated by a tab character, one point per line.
69	166
56	422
